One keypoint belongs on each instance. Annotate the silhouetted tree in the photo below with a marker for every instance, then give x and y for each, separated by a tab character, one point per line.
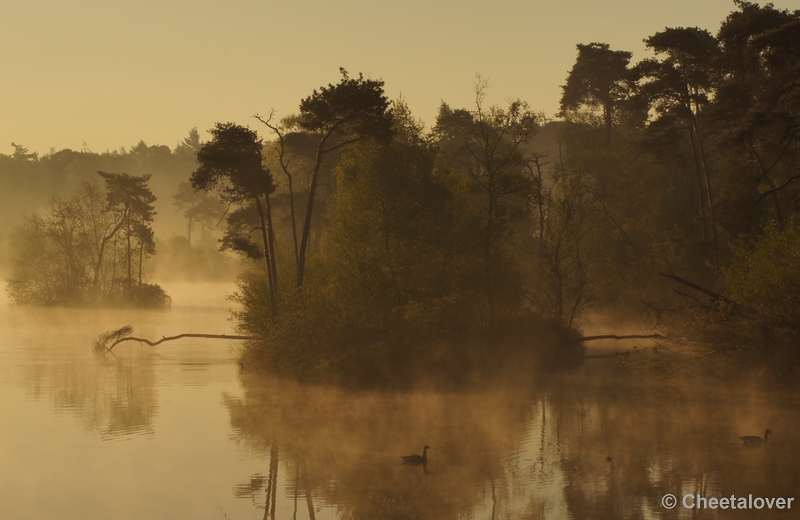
232	165
337	116
131	201
599	77
756	112
281	130
20	152
678	87
190	144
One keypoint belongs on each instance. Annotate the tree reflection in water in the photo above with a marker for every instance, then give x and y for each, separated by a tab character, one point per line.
114	395
601	444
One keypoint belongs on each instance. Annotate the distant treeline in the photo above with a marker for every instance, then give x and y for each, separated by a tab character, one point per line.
28	179
29	182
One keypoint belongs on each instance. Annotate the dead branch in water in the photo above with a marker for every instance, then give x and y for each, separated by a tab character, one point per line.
124	334
627	353
614	336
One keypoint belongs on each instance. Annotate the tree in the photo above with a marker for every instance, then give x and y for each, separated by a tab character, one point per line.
565	288
756	111
190	144
489	146
679	87
599	77
103	226
281	131
232	165
131	201
20	152
337	116
539	200
403	266
402	229
199	207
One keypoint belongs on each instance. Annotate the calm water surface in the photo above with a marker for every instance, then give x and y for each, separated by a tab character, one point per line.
176	432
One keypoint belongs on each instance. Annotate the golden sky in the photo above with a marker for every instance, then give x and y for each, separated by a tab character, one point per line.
109	73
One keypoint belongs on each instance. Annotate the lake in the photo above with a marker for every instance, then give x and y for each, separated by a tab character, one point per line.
176	431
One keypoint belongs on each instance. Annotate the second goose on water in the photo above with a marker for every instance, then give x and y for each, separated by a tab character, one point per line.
416	459
755	440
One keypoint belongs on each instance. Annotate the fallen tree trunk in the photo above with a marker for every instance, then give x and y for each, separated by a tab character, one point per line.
614	336
179	336
122	335
711	294
627	353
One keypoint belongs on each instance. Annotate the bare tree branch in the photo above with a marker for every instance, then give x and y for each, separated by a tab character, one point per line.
123	334
700	289
614	336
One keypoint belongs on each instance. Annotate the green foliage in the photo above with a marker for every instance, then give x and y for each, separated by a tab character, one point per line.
764	278
231	164
598	78
753	327
488	148
328	333
684	77
382	263
403	226
353	108
397	290
337	116
240	236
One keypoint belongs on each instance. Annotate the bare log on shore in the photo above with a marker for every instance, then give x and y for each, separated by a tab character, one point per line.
115	337
614	336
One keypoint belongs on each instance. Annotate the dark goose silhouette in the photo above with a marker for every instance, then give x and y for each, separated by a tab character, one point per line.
755	440
415	460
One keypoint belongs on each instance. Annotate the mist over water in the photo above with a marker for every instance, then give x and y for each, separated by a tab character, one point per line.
176	431
349	309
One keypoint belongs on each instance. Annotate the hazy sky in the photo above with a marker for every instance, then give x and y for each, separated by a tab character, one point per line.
109	73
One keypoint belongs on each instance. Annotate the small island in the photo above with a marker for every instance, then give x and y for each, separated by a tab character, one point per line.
90	249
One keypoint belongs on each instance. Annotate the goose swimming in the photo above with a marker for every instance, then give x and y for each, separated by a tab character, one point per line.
416	459
755	440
